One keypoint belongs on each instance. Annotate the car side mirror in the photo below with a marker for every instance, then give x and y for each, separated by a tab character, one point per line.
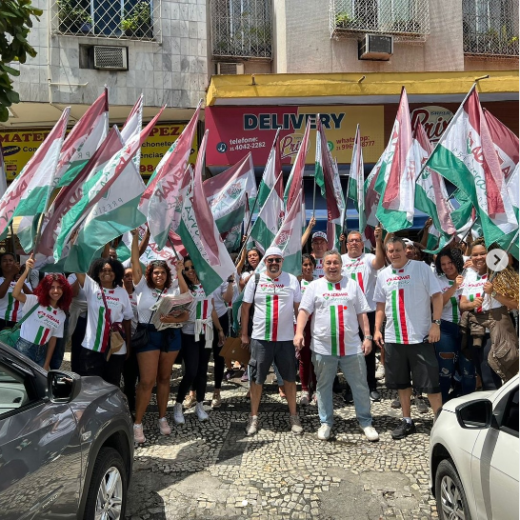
475	415
63	386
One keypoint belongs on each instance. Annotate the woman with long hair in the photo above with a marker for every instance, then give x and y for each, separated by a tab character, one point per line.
107	301
157	357
253	257
449	265
46	322
197	339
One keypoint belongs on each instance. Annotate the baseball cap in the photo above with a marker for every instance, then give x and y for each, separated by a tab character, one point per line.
273	251
407	241
319	234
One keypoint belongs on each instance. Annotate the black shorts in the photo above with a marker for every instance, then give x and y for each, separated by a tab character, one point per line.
419	359
263	353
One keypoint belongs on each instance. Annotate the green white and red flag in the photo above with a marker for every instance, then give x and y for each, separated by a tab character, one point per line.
162	199
513	187
356	181
506	143
295	180
96	189
465	155
133	125
401	168
29	193
372	195
270	203
327	178
199	233
431	195
228	195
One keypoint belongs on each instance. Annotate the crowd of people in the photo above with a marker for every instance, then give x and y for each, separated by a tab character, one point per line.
437	323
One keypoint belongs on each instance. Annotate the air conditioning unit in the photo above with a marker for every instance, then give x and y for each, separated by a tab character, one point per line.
230	68
375	47
110	58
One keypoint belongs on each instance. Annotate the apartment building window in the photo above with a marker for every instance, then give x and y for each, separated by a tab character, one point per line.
241	28
406	19
125	19
490	27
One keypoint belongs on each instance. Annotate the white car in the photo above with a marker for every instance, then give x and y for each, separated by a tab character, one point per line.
474	456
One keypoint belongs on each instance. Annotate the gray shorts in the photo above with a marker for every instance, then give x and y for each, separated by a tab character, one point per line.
263	353
419	359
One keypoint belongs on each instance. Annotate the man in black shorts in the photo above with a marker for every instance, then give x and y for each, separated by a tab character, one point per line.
405	292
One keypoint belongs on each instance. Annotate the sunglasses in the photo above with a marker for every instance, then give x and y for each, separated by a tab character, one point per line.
274	261
189	268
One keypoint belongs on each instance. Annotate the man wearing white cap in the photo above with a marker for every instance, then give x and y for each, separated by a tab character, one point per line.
275	300
319	244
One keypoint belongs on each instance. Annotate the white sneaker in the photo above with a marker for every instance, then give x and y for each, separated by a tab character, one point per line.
201	413
164	427
370	433
252	425
324	432
139	437
380	372
296	426
305	398
178	416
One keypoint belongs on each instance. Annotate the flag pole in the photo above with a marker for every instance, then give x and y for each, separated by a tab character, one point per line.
251	216
314	185
174	250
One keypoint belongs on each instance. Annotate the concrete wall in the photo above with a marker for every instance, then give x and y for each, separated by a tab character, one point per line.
174	71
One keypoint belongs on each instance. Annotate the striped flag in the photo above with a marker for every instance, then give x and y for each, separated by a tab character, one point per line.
295	180
356	181
401	167
200	235
465	155
162	198
29	193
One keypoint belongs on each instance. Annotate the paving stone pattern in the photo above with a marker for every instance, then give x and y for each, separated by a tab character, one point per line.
212	470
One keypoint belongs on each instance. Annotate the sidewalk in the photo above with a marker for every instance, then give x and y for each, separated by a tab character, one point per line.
212	470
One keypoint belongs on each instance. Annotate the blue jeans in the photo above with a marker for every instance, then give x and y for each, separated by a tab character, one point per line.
354	369
36	353
448	356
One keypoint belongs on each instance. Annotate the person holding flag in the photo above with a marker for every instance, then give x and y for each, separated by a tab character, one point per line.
362	268
319	244
338	307
10	311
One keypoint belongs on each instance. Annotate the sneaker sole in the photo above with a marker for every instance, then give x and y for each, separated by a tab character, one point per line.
397	438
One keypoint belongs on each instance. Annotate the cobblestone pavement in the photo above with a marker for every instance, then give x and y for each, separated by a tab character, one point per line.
212	470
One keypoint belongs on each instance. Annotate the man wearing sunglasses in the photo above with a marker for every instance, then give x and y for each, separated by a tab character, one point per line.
276	299
362	268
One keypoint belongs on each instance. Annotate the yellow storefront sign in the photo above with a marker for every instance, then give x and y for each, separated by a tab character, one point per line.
19	146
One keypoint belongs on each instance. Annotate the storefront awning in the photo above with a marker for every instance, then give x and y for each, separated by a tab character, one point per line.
359	88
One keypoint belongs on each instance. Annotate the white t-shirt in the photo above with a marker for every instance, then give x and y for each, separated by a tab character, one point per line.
335	308
43	324
318	270
133	302
147	297
360	269
273	318
221	307
303	285
474	288
450	311
120	309
10	309
406	293
200	309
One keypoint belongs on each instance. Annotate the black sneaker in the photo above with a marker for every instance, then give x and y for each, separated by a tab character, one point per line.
396	403
403	430
347	396
375	396
422	405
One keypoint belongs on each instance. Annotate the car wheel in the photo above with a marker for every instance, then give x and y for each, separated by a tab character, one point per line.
451	498
106	499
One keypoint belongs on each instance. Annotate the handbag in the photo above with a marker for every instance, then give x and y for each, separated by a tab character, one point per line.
233	351
140	337
117	335
10	336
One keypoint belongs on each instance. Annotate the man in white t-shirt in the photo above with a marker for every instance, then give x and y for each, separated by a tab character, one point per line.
338	308
319	244
275	298
362	268
404	292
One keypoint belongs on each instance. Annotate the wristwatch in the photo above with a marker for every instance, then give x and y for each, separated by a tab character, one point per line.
368	336
493	294
437	322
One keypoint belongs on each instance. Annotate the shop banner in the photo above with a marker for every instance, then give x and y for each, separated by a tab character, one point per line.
434	120
19	147
234	131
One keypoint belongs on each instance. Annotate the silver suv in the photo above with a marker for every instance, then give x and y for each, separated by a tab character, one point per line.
66	444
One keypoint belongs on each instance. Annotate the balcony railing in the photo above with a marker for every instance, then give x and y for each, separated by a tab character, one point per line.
407	20
122	19
241	28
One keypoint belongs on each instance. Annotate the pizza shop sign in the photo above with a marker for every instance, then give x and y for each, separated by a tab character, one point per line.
434	119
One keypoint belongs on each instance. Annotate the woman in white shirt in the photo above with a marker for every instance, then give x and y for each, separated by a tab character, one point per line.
46	323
